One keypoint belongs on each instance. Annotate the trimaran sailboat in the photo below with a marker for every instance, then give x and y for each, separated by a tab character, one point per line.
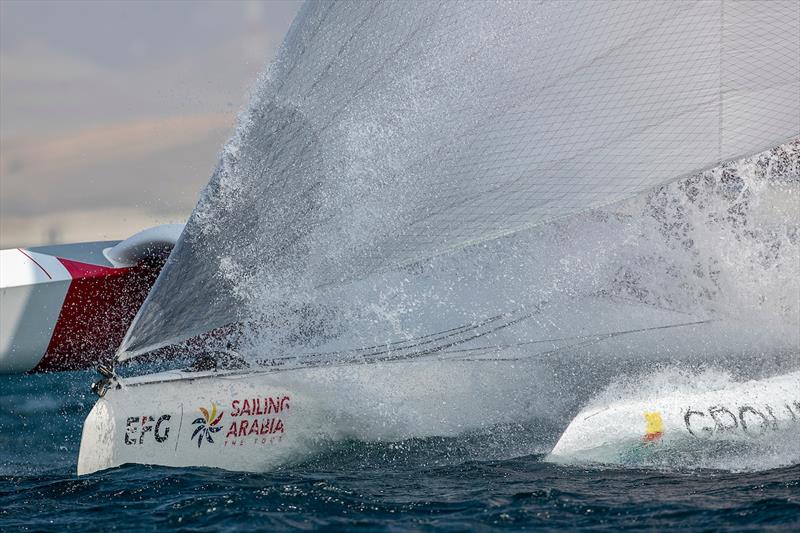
385	133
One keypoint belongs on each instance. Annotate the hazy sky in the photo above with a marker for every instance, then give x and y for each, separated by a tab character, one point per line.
178	51
123	34
112	112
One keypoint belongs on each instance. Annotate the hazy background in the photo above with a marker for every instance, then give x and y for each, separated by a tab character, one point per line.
112	113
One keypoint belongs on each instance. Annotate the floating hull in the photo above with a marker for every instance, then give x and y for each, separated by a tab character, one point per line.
741	415
258	421
188	423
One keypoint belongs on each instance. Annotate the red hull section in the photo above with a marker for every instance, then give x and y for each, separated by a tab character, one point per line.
99	306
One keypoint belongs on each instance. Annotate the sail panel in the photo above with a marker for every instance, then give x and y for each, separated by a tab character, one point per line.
385	133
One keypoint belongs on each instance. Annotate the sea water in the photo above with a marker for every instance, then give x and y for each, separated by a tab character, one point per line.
476	481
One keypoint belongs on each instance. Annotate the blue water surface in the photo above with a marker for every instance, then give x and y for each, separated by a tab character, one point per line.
425	484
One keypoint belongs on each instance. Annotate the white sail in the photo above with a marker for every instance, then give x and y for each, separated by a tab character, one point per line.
388	132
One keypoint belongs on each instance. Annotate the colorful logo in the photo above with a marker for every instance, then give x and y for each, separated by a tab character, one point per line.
654	426
207	424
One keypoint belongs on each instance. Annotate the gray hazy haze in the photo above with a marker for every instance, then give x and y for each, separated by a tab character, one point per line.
112	114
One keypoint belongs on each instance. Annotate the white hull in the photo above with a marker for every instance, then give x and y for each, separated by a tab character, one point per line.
33	287
744	414
291	414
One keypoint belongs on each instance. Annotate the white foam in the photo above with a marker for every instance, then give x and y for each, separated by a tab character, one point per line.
712	247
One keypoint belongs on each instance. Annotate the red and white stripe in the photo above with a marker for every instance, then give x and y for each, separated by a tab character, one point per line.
61	314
